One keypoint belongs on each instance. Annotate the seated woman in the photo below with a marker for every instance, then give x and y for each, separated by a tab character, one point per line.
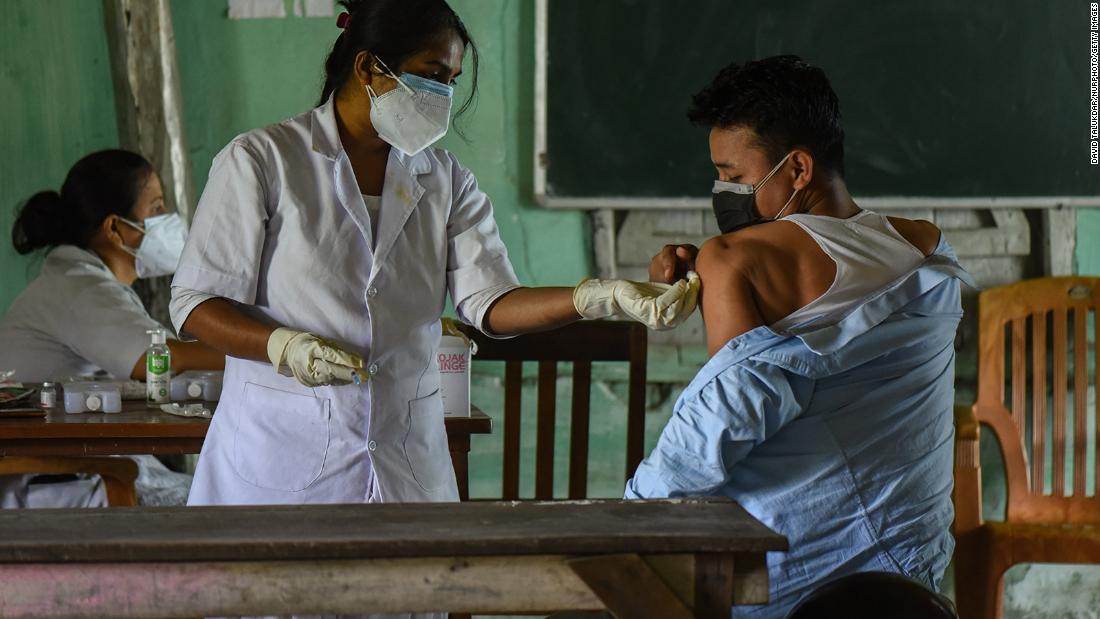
106	228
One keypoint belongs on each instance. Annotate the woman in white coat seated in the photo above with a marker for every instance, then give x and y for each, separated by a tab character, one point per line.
104	229
320	259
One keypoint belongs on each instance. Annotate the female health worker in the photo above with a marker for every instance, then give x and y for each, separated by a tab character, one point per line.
106	228
319	260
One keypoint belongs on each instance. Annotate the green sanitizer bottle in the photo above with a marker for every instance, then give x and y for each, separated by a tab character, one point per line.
158	370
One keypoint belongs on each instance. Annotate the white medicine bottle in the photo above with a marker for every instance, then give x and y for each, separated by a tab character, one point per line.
158	370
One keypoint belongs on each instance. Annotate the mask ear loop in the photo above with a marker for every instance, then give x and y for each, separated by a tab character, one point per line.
136	226
781	211
757	186
391	74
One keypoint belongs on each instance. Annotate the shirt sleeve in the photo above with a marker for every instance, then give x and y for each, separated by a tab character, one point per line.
478	304
226	241
714	428
110	328
184	300
477	261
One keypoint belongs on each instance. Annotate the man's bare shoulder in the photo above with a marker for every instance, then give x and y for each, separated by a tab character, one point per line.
726	255
740	249
924	235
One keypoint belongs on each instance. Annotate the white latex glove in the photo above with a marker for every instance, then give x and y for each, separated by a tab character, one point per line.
657	306
310	359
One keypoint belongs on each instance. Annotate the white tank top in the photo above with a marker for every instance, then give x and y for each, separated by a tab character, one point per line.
374	210
869	254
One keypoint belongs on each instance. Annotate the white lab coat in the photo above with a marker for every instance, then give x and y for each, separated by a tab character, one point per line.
282	230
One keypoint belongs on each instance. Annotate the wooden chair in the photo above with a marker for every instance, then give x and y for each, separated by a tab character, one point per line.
1027	324
580	343
118	473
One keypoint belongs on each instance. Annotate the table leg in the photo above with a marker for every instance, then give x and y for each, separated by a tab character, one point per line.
750	580
714	576
460	458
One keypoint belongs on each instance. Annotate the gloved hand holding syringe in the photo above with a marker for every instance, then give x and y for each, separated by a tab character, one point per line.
312	360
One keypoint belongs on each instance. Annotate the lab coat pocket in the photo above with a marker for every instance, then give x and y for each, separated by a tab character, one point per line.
281	439
426	443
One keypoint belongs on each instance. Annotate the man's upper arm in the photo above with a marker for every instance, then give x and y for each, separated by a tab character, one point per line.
728	304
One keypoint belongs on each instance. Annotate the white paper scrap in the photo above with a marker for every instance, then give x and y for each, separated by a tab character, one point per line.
319	8
256	9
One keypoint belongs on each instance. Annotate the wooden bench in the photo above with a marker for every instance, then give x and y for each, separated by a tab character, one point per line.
671	559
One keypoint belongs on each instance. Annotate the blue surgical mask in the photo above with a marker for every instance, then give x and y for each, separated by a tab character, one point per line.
735	203
412	116
422	83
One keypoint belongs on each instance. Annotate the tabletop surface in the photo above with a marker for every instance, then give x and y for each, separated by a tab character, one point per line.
308	532
136	420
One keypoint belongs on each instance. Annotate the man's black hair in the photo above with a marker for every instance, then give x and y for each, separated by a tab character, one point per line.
785	101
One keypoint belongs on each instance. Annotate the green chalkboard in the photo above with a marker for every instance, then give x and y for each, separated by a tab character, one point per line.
946	98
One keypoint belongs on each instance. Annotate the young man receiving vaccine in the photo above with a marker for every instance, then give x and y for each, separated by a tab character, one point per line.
826	406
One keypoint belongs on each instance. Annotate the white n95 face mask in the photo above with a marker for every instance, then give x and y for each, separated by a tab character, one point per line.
161	247
412	116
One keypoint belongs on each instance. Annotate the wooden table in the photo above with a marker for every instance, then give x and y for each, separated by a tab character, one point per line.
139	430
672	559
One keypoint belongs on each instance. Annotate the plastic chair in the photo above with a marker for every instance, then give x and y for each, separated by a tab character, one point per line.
118	473
873	595
1033	325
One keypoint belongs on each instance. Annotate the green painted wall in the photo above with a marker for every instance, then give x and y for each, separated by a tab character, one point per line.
57	104
239	74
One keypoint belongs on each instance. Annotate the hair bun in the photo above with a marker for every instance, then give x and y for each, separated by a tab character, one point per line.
40	223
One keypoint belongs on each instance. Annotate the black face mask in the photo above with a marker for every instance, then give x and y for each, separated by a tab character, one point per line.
735	210
735	203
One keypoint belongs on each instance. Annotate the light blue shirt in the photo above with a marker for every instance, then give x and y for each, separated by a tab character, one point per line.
837	435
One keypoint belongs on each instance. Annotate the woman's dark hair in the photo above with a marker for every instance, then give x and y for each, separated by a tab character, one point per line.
101	184
394	31
785	101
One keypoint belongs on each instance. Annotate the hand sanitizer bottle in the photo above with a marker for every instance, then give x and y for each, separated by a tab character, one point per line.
158	370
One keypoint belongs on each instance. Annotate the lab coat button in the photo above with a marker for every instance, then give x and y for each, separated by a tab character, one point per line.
372	292
372	445
373	369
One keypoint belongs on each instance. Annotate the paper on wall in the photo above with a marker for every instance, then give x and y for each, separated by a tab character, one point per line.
319	8
256	9
314	8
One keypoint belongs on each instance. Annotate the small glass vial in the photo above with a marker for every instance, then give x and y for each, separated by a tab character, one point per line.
47	395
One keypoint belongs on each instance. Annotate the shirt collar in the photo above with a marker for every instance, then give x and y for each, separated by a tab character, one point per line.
74	254
325	136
